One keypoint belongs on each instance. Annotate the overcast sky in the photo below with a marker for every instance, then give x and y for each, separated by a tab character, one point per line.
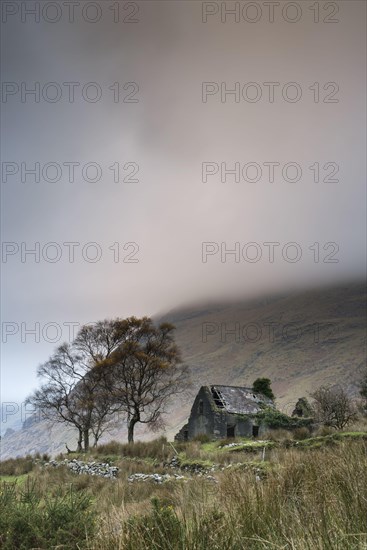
168	120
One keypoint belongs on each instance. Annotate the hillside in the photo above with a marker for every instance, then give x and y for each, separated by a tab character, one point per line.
299	341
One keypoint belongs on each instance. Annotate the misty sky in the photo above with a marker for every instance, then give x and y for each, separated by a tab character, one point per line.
168	126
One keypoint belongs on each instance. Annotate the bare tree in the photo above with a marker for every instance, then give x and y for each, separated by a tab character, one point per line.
333	407
115	365
146	372
76	386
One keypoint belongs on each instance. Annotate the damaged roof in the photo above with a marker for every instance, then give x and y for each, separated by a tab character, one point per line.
238	400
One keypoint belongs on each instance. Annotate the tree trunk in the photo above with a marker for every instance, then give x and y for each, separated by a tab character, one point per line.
80	440
86	440
97	434
96	439
130	430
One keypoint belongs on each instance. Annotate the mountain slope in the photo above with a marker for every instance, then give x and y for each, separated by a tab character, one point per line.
299	341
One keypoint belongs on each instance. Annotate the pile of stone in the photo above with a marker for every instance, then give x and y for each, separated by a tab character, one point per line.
173	463
193	468
102	469
161	478
229	445
198	469
240	444
156	478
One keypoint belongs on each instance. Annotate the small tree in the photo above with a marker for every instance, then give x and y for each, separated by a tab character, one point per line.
303	408
263	385
333	407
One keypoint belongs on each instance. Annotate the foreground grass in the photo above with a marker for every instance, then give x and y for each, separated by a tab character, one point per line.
311	496
309	499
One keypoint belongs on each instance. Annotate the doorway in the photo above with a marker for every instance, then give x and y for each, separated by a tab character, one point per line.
230	431
255	431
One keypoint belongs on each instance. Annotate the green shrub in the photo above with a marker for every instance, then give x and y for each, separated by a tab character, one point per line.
29	519
276	419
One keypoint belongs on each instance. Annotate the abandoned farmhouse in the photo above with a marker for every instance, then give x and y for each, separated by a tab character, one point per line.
225	411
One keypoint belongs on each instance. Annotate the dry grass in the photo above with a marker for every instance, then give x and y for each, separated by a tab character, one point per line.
16	466
159	448
311	498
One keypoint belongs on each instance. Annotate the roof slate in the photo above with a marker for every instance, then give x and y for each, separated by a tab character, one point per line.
237	400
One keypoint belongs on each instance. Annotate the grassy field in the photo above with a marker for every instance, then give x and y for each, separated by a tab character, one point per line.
303	494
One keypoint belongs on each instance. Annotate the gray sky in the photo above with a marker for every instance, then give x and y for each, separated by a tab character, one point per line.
167	135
